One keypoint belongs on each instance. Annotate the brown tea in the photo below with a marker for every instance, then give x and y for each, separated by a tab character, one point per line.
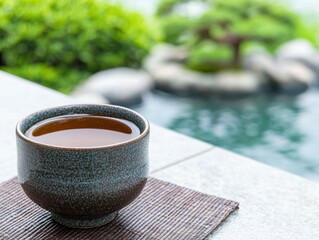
82	131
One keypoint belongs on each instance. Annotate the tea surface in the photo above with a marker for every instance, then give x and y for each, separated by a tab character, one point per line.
82	131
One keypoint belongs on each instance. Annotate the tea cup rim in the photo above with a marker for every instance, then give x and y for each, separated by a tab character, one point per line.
145	132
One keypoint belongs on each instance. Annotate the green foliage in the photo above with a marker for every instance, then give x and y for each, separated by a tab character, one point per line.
230	24
166	7
175	28
208	56
58	43
308	30
251	20
57	78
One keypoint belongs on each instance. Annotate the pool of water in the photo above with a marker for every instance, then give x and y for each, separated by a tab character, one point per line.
278	130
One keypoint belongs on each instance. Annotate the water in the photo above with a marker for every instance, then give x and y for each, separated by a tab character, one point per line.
280	131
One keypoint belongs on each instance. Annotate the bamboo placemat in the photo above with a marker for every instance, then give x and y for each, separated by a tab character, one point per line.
163	211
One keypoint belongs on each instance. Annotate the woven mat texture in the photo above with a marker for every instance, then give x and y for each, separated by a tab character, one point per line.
163	211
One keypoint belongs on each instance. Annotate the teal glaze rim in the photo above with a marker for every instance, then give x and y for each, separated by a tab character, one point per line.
143	134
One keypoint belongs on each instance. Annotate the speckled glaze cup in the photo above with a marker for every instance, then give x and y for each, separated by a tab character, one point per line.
83	187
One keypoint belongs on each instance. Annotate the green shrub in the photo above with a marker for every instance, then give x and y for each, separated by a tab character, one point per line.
308	30
60	79
58	43
208	56
229	24
175	28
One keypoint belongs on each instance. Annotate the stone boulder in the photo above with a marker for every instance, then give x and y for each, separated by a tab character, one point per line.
175	78
258	62
293	77
302	51
239	83
286	75
120	86
162	54
290	72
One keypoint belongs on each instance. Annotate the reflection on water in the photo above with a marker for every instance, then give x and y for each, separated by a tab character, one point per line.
280	131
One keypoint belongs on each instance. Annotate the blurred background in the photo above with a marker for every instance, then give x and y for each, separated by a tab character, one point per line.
242	75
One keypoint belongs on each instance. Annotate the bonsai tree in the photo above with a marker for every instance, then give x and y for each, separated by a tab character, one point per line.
217	34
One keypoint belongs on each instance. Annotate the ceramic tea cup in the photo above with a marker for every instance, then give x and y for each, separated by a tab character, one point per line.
83	187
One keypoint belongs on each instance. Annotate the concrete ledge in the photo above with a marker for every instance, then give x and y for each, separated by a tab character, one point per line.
273	204
20	98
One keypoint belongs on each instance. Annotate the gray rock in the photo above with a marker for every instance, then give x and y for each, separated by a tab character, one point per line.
162	54
258	62
175	78
121	86
293	77
239	83
300	50
263	72
179	80
90	97
286	75
296	48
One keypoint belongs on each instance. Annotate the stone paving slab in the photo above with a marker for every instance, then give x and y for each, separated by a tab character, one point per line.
18	98
273	204
168	148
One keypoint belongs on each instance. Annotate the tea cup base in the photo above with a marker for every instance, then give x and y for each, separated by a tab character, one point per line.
83	223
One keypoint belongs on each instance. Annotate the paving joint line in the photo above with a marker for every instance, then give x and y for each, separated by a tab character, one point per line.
183	160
